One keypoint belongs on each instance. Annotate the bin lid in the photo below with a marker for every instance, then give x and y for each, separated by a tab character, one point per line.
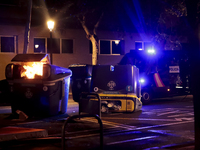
32	58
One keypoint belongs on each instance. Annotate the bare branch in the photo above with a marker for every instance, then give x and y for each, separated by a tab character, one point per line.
97	24
84	27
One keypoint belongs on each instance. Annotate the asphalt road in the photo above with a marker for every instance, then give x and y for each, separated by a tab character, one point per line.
162	123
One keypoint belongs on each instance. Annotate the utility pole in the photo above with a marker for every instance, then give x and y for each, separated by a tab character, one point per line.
27	28
194	52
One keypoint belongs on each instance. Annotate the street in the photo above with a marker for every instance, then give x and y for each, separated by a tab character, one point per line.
163	122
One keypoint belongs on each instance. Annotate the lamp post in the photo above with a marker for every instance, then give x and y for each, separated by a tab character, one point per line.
50	25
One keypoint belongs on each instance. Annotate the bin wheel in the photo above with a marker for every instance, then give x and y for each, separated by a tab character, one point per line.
146	97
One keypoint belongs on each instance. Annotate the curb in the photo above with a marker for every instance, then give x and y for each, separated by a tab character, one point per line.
15	133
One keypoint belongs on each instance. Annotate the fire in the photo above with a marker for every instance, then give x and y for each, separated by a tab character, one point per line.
32	69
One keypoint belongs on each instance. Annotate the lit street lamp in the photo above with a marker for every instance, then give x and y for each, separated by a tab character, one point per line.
50	25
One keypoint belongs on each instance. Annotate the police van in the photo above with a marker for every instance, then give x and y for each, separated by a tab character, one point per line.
162	74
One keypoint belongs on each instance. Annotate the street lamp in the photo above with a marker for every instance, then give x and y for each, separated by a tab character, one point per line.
50	25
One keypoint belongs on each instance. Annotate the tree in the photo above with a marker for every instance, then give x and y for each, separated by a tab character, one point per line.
17	12
166	21
193	23
88	12
92	36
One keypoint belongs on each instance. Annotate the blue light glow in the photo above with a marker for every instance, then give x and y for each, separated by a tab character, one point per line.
141	80
112	68
151	51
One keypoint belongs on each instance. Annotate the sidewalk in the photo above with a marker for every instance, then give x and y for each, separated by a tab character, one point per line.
9	132
16	133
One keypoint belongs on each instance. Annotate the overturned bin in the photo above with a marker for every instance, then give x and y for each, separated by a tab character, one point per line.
38	88
114	88
118	87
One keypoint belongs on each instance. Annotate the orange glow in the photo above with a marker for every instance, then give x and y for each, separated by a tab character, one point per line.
31	69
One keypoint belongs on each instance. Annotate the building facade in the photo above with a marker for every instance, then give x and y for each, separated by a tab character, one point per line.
70	46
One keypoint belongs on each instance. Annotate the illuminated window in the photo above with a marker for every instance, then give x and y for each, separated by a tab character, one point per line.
140	45
55	45
8	44
39	45
118	48
67	46
112	47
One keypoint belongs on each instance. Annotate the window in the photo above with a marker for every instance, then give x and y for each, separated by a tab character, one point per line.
39	45
8	44
112	47
67	46
105	47
42	45
118	48
139	45
55	45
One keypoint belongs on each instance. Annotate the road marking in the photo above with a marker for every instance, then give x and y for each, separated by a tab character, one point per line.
165	110
162	125
131	140
189	106
140	119
185	114
166	113
128	127
178	112
166	132
181	119
162	110
188	134
127	130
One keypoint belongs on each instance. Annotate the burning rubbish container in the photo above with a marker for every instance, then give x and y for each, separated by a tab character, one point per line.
38	88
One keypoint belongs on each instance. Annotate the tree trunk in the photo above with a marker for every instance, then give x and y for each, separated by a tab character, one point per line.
27	28
95	50
93	38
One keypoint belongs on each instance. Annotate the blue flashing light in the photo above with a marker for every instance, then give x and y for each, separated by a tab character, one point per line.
151	51
141	80
112	68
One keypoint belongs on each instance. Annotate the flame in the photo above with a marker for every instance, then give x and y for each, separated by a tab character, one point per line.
32	69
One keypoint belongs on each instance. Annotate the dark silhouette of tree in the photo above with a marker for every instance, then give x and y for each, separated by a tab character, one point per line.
193	30
167	21
89	14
